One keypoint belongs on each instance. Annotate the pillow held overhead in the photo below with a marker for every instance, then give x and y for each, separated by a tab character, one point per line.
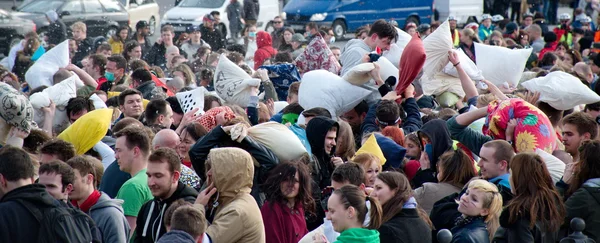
396	49
561	90
41	72
88	130
321	88
317	55
192	99
467	64
232	83
371	146
501	65
437	46
411	63
279	139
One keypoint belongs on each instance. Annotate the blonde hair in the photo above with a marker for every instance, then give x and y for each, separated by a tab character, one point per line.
471	34
492	201
79	26
365	160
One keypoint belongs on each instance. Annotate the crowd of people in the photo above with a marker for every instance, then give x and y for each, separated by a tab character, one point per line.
133	163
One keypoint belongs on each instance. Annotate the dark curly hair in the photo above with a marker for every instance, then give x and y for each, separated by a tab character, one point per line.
286	172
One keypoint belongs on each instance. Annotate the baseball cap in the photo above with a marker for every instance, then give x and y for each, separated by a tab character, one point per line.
298	38
208	17
192	28
141	24
486	16
528	14
511	27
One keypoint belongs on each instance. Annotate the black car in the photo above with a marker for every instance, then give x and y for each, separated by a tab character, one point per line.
102	17
12	30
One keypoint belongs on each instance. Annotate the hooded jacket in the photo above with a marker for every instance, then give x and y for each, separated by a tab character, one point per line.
585	204
151	91
16	219
265	48
212	37
237	217
177	236
108	215
316	131
358	235
439	136
150	226
394	153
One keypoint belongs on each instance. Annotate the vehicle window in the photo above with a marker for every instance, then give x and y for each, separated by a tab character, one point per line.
202	3
40	6
92	6
73	7
111	6
148	1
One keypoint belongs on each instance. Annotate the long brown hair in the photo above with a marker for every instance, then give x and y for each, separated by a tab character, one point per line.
457	168
287	172
588	166
399	184
352	196
534	194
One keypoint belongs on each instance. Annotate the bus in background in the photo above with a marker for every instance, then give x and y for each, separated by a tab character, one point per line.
345	16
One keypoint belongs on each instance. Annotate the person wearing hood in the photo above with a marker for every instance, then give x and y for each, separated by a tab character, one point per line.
265	49
235	214
322	135
222	137
164	170
141	80
107	213
551	43
437	141
209	33
57	30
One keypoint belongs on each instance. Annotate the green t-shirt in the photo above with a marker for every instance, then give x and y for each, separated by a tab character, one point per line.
134	193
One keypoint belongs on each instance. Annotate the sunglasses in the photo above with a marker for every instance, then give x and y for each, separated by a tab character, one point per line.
277	22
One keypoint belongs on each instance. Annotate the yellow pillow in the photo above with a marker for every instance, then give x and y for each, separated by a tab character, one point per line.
88	130
371	146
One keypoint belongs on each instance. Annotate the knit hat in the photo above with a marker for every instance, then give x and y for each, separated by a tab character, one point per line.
15	108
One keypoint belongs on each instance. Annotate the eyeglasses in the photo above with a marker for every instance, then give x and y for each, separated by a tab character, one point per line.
277	22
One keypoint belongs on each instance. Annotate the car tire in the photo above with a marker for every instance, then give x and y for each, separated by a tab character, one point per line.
339	29
110	32
152	24
412	19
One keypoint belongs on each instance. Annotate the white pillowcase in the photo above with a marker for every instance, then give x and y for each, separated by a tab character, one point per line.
359	74
232	83
501	65
192	99
441	83
467	64
437	46
279	139
555	166
60	95
561	90
41	72
321	88
396	49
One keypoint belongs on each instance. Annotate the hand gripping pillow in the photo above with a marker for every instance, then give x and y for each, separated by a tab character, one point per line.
501	65
316	56
561	90
467	64
324	89
359	74
232	83
60	95
533	129
396	49
437	46
441	83
192	99
411	63
88	130
279	139
41	72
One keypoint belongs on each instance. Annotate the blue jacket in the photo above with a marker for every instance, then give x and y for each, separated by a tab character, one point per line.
412	123
472	232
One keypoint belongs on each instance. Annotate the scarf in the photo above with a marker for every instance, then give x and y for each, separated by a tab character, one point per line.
89	202
462	220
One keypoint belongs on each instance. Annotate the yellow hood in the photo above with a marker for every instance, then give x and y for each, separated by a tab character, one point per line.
372	147
88	130
232	172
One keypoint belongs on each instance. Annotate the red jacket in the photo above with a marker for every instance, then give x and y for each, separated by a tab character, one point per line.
282	224
547	48
265	49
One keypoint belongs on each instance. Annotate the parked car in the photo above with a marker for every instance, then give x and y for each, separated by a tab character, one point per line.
102	17
346	16
12	30
191	12
465	11
142	10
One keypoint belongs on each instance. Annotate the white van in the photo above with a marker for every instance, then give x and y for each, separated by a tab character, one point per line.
142	10
465	11
191	12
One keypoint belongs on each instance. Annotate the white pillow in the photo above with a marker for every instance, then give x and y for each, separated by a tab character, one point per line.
437	46
561	90
441	83
396	49
279	105
279	139
359	74
386	69
41	72
232	83
98	103
555	166
60	95
192	99
501	65
321	88
467	64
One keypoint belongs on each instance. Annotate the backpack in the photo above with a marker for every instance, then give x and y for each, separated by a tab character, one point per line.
62	223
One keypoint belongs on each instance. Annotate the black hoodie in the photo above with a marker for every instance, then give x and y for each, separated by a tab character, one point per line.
316	131
439	137
16	219
147	227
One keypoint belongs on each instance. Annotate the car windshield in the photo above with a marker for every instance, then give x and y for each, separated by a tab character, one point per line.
111	6
40	6
201	3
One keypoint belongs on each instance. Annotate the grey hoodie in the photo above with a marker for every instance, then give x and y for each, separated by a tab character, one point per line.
109	217
351	56
177	236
